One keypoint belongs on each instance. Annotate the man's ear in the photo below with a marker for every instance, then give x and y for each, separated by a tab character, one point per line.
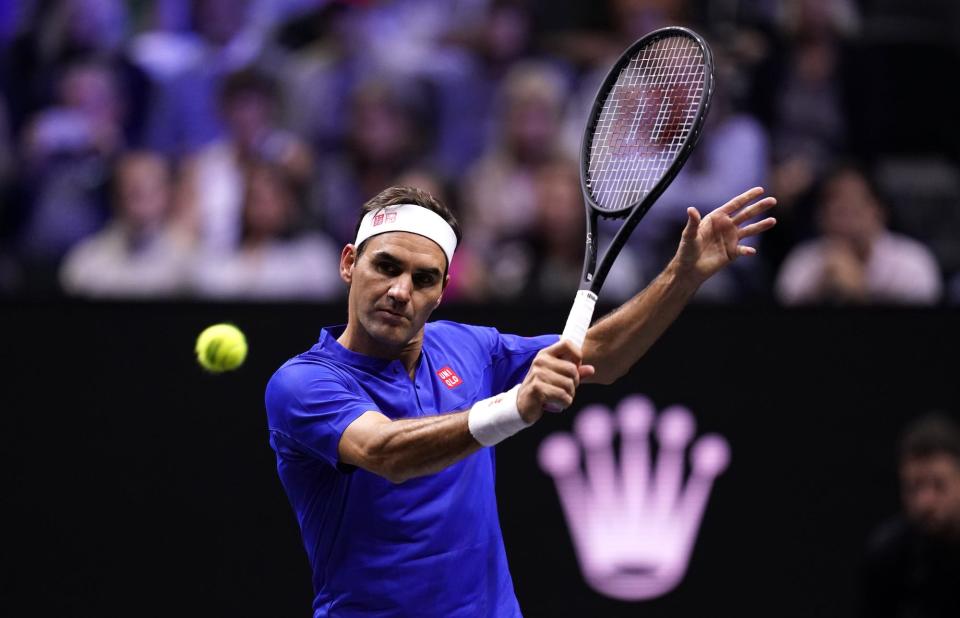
446	280
348	259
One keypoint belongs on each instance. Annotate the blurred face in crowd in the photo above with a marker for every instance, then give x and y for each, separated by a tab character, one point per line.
249	115
532	125
930	488
560	205
144	190
850	212
380	130
395	285
92	90
269	205
814	61
506	33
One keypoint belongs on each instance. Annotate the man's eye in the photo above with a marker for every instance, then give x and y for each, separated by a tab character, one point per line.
424	281
388	269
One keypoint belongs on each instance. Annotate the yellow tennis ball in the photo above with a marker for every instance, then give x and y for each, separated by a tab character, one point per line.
221	347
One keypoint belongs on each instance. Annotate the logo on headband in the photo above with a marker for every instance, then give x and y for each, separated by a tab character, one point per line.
384	217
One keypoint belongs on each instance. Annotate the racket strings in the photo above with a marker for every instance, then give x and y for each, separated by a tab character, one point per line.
645	121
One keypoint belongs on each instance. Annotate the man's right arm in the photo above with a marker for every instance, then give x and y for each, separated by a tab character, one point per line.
406	448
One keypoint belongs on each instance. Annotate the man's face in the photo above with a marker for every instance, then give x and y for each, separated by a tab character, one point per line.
394	287
930	488
849	211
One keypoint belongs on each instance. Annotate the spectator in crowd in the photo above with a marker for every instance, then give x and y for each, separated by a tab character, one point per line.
499	195
809	116
64	32
68	150
809	122
188	69
479	55
856	258
913	560
249	104
546	262
273	261
142	252
388	132
323	59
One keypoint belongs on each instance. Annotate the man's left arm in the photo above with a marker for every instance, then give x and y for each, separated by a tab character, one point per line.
618	340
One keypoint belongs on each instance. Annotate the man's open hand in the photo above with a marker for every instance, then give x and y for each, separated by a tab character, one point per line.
712	243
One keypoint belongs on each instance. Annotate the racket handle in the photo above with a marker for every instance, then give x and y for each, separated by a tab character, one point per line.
576	329
579	319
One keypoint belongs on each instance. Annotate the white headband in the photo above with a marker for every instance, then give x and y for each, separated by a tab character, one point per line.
409	218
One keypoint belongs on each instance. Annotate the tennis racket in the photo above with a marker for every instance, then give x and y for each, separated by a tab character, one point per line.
645	121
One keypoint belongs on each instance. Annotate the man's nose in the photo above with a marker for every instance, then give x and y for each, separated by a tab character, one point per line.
925	501
400	289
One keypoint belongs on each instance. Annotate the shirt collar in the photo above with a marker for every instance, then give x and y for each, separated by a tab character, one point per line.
329	345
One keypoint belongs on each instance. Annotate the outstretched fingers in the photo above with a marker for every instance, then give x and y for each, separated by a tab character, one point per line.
740	201
755	209
756	228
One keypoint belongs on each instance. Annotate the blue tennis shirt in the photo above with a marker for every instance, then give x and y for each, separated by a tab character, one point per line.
430	546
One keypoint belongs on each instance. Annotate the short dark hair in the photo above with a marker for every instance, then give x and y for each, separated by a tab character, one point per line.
934	433
408	195
851	165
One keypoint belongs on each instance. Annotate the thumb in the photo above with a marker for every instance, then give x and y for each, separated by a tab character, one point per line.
566	350
693	224
586	371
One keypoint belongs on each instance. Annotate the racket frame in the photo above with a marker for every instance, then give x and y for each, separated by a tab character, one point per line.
593	276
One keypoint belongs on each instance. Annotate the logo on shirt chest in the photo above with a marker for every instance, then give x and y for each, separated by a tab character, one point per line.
449	377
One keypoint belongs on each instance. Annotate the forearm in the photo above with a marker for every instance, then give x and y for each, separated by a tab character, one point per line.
618	340
407	448
401	449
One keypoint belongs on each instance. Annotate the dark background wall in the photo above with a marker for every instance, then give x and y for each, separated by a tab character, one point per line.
135	484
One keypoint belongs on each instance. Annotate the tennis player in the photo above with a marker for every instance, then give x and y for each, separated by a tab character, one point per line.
382	428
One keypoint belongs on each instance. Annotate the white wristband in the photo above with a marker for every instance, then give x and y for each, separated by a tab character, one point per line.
495	419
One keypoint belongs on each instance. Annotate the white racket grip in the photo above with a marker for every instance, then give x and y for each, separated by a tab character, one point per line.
579	319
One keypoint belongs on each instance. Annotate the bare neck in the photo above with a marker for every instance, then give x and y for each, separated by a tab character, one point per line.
356	339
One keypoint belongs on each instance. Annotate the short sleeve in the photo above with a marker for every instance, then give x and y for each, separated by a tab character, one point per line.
313	406
512	356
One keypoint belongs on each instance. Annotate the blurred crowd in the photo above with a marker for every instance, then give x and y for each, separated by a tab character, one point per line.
222	148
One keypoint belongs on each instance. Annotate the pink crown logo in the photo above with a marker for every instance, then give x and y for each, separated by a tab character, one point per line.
633	520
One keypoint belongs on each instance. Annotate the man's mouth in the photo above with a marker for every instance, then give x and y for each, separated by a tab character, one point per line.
391	316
